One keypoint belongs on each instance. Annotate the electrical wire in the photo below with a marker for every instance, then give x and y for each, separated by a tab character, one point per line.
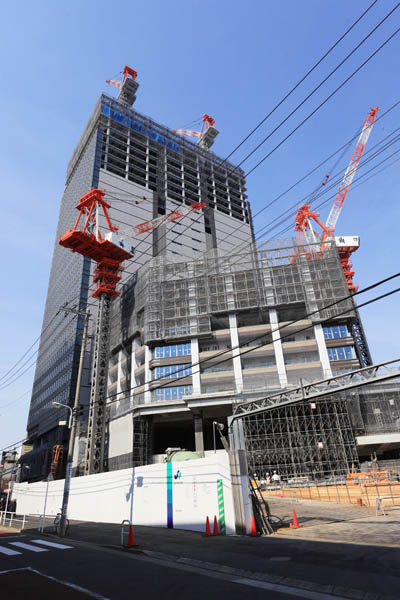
335	91
294	88
332	72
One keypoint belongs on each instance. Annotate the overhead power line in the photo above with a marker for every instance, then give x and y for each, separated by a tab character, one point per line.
294	88
335	91
332	72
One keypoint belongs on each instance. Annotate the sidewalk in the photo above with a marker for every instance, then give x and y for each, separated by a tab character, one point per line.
336	552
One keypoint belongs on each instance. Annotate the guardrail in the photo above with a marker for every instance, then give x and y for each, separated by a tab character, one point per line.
379	503
12	517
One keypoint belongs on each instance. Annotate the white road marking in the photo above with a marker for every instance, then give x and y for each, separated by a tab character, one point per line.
28	547
72	585
8	551
51	544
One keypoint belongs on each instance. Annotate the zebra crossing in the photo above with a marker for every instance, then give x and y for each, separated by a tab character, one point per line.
16	548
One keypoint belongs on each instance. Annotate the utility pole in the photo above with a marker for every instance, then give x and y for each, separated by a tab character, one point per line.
75	411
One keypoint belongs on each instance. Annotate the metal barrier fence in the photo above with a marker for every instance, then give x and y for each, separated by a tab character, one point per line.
12	518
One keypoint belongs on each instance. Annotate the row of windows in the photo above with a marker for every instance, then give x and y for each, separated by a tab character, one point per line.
60	382
172	371
300	359
256	365
345	353
217	369
175	350
171	393
339	331
40	383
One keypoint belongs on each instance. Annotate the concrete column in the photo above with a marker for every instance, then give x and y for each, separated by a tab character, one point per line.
192	301
135	344
195	366
147	375
322	351
121	357
198	433
276	340
237	366
312	306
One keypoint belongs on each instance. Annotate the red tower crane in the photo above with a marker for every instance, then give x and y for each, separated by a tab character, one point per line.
127	72
127	87
109	257
345	245
207	134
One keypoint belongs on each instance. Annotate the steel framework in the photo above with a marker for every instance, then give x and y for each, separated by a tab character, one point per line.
306	439
309	431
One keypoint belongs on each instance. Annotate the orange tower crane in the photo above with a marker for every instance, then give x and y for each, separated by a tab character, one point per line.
109	257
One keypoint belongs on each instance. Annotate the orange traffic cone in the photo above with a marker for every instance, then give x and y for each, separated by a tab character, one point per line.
215	528
131	541
295	521
208	530
253	531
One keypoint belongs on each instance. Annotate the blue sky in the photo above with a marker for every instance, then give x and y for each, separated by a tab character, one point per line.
230	59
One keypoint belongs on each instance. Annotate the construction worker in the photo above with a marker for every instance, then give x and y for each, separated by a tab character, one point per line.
276	478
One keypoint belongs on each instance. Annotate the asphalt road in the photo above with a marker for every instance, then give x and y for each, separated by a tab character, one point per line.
31	567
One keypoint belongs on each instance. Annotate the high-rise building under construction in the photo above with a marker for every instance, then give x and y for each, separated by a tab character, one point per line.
147	171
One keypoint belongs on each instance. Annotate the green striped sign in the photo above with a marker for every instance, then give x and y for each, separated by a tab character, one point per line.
221	507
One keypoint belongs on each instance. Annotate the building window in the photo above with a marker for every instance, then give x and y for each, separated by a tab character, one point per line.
256	365
171	351
345	353
172	371
171	393
338	331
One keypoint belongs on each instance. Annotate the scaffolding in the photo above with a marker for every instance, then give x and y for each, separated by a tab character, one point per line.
309	432
312	440
172	297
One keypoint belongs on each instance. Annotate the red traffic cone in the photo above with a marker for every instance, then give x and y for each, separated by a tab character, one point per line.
253	531
131	541
208	530
215	528
295	521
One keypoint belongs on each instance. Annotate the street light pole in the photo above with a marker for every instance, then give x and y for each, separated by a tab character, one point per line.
220	427
73	421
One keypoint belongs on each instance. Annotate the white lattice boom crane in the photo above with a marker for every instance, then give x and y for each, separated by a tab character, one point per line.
348	244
